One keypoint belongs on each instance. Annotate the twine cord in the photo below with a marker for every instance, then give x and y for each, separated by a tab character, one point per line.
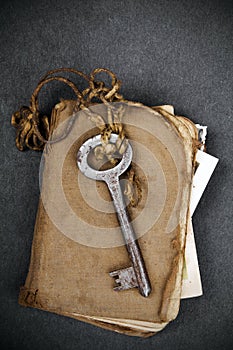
33	129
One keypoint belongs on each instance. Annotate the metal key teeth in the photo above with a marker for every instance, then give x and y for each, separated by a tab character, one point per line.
126	279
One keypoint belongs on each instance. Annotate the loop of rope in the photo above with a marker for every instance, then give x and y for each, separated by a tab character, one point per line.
99	89
34	97
33	129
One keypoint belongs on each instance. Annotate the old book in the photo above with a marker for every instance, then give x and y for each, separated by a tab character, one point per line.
77	239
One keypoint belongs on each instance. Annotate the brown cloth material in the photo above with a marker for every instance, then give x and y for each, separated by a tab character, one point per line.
71	257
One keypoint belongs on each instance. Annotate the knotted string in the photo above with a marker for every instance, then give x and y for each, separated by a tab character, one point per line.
33	129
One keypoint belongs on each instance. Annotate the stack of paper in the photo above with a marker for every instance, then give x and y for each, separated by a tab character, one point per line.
77	239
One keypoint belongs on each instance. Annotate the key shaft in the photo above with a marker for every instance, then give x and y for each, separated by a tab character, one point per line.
131	242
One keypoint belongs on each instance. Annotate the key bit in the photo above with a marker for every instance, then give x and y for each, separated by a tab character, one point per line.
126	279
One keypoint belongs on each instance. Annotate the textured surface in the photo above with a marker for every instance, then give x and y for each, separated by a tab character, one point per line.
177	52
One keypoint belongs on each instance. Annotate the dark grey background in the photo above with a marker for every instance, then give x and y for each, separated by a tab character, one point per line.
165	52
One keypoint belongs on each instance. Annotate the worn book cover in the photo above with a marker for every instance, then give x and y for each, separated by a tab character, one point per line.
77	240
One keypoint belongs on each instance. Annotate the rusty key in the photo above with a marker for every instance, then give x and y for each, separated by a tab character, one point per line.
136	275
